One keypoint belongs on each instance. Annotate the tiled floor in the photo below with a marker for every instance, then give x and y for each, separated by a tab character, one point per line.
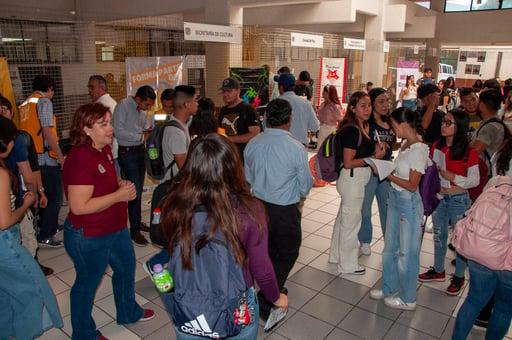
323	304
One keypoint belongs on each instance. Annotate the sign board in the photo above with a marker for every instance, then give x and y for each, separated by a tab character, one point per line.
354	44
307	40
385	47
332	72
403	69
157	72
212	33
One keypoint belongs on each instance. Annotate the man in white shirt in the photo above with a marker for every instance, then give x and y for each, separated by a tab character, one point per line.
98	91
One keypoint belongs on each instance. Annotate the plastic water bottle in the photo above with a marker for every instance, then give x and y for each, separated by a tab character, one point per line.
162	279
152	152
156	216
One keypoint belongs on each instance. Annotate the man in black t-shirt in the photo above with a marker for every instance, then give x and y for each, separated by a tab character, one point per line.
238	118
431	117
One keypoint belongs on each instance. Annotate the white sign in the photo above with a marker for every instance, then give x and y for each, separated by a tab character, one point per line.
307	40
354	44
217	33
385	47
332	72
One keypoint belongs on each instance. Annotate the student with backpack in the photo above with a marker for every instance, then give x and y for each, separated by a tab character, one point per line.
212	212
354	173
449	153
402	242
484	237
380	130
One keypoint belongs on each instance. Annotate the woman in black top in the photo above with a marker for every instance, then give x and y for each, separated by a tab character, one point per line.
355	144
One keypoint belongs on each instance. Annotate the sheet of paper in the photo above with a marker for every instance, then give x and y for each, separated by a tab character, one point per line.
384	168
440	159
276	315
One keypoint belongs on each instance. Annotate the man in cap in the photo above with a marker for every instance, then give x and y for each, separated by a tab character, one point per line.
304	117
238	118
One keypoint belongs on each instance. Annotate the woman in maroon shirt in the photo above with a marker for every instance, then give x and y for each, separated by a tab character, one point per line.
95	233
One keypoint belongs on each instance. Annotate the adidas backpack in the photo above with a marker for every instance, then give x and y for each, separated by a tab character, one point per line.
484	235
328	163
204	299
153	156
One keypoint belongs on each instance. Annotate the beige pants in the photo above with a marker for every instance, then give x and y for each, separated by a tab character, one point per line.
344	245
28	234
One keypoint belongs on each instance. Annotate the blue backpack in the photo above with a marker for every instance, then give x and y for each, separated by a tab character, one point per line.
204	299
328	159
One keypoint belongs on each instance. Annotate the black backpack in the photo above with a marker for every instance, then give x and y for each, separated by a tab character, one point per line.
204	299
155	167
157	201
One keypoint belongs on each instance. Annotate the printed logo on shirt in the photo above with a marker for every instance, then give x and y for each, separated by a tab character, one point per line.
101	169
229	124
199	327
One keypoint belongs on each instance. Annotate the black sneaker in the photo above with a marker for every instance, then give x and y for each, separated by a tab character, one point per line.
455	286
147	268
481	324
51	242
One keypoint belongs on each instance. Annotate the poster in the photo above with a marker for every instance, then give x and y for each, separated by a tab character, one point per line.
403	69
253	85
157	72
332	72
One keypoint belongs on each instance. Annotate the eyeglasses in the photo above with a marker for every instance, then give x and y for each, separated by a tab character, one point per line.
448	122
4	109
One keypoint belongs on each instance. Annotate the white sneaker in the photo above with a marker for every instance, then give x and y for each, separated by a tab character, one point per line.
365	249
428	228
397	303
358	271
376	294
147	268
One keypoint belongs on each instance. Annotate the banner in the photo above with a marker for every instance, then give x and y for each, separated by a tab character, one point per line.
332	72
157	72
6	87
403	69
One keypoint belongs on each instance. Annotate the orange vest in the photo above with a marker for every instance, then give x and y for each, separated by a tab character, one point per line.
29	121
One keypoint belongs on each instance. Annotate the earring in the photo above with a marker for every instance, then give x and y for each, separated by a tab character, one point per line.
87	133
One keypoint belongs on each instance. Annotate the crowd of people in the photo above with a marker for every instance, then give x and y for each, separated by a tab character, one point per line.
249	181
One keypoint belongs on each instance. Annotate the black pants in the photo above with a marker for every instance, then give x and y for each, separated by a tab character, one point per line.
284	239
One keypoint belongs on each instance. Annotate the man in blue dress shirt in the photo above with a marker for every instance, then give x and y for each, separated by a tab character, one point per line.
276	167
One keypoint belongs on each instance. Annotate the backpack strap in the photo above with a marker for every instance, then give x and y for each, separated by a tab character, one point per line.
173	123
359	141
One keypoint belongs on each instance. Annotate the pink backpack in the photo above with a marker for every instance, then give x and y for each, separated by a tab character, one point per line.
485	234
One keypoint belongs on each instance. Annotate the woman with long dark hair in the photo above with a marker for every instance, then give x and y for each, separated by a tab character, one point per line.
28	304
353	145
409	94
458	171
95	231
213	178
380	130
204	121
402	242
329	113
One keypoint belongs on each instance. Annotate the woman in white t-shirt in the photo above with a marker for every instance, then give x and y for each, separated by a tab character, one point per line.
401	254
409	93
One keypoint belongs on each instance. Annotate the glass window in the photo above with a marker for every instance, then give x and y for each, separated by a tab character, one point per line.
506	4
480	5
457	5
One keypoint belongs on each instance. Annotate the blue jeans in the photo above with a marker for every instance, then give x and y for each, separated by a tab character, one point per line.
449	211
91	256
52	182
249	332
483	282
402	243
24	291
411	104
134	170
379	189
